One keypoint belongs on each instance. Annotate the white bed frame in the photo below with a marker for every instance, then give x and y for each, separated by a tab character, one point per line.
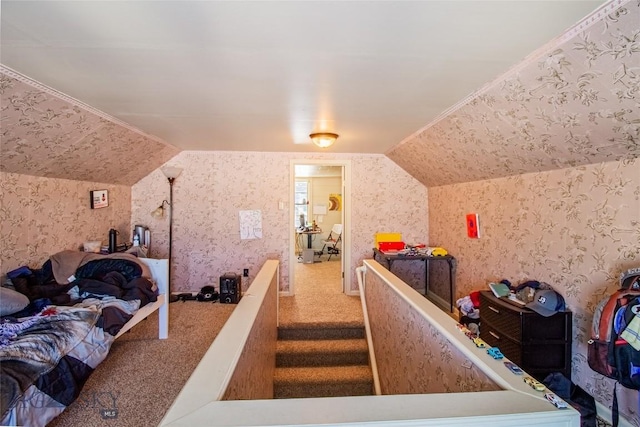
160	275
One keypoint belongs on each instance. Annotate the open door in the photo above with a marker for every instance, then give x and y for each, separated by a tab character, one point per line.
324	205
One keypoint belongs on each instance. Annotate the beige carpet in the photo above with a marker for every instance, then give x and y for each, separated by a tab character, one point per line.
319	299
142	375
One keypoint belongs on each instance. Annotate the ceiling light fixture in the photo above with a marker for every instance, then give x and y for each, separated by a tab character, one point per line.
323	139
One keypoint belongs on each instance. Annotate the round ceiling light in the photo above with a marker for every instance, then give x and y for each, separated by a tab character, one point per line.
323	139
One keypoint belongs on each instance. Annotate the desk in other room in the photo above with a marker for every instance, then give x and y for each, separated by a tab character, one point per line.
309	234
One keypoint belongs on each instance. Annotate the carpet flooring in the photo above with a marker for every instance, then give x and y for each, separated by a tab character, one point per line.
142	375
319	299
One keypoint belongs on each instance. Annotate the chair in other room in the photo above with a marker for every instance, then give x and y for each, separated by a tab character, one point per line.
332	241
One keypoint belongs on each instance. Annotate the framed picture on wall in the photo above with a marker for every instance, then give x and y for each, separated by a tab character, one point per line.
335	202
99	199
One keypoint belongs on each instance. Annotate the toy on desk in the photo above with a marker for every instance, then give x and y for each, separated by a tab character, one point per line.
533	383
495	353
436	251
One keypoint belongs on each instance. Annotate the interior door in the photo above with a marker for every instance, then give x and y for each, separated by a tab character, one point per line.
343	167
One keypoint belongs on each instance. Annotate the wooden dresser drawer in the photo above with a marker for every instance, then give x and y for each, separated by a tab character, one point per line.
511	349
521	324
504	320
539	345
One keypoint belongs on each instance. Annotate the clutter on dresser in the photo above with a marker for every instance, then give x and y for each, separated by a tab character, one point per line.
538	296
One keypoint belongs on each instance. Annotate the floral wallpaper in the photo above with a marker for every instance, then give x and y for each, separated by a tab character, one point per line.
411	354
253	375
46	133
214	186
573	102
576	229
42	216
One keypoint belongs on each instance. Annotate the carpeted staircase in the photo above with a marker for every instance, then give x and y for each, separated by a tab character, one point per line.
321	361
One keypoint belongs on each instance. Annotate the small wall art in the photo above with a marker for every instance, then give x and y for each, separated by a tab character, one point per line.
473	228
99	199
335	202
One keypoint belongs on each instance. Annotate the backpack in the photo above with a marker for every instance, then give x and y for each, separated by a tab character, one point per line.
614	347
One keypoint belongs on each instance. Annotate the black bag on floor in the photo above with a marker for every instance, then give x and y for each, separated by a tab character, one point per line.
575	396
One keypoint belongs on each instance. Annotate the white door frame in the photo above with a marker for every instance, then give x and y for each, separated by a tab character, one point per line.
345	257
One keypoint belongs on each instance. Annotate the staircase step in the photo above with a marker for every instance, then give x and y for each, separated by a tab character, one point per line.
321	352
303	332
332	381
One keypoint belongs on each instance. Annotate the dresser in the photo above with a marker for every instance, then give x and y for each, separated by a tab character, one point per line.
539	345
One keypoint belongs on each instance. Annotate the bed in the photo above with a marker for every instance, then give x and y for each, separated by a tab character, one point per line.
77	305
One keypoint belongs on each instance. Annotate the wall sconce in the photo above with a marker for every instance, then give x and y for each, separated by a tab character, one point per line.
158	213
323	139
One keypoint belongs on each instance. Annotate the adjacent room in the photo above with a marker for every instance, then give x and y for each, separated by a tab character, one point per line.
250	150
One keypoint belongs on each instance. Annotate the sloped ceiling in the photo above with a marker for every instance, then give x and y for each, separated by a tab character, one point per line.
572	102
263	75
45	133
575	101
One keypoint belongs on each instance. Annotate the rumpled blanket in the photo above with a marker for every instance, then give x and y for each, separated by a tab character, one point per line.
44	367
38	349
65	263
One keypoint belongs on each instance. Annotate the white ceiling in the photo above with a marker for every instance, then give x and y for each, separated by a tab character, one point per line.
261	76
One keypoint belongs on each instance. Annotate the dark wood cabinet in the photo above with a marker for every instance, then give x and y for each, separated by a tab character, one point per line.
539	345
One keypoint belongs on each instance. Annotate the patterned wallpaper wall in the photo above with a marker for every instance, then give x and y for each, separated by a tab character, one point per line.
252	377
214	186
575	229
573	102
411	354
46	133
42	216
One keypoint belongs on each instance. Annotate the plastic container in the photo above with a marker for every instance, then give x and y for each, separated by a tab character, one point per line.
391	246
387	237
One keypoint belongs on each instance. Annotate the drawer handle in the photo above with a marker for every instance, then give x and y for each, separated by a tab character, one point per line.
494	309
493	334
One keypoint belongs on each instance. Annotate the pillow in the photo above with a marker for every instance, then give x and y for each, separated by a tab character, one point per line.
11	301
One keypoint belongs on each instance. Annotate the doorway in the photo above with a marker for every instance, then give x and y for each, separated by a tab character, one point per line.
320	195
